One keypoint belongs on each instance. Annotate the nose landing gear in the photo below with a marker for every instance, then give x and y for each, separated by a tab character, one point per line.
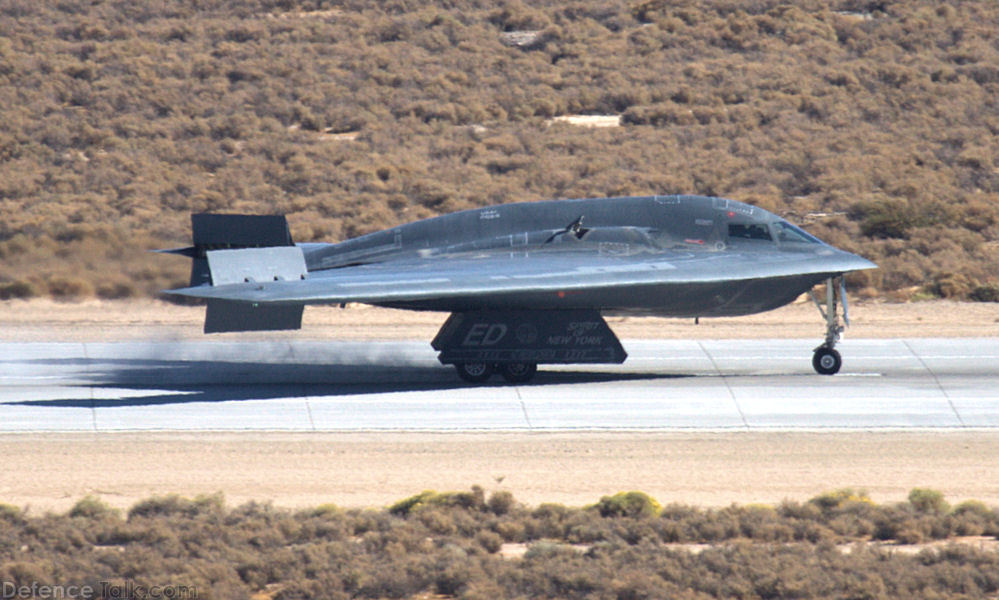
826	360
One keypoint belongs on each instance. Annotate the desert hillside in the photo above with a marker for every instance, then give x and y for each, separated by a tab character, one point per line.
871	123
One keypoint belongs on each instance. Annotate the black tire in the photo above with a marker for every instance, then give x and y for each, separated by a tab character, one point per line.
520	372
474	372
827	361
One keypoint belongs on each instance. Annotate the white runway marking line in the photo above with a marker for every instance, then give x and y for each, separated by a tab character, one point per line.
838	375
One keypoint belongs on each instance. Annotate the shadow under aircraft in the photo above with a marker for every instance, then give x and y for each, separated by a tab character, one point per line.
150	382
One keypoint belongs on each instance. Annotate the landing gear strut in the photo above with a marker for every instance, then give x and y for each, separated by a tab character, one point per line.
826	360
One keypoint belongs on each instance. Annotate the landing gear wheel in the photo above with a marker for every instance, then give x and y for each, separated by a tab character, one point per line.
474	372
520	372
826	361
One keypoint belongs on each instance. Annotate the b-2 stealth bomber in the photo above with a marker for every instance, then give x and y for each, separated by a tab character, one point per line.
527	283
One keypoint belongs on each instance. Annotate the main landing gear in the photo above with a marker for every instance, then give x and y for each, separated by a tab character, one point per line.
511	343
475	372
513	372
826	360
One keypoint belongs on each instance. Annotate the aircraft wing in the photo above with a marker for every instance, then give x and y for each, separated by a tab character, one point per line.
479	276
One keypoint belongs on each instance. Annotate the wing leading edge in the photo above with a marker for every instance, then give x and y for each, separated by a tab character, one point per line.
506	276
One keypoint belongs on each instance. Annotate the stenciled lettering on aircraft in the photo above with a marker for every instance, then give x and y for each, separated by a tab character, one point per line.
484	334
582	330
489	214
578	328
704	222
743	209
526	333
579	334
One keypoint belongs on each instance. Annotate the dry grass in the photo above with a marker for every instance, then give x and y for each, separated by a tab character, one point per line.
119	123
451	544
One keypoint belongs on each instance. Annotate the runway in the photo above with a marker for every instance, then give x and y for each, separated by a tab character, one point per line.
333	385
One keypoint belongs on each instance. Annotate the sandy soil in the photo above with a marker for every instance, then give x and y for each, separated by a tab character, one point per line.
52	471
588	120
45	320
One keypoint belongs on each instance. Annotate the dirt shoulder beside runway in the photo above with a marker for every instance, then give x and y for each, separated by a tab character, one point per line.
45	320
52	471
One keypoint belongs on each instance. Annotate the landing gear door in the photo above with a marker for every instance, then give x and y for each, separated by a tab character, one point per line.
552	337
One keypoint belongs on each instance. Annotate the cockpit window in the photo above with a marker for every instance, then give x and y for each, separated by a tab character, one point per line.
789	233
749	231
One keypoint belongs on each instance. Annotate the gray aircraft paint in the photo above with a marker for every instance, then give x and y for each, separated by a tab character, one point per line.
655	255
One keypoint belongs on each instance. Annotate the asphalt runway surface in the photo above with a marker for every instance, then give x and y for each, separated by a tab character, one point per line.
399	386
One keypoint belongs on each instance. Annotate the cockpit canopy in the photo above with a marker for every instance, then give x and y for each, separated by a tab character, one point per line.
780	231
787	233
749	231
